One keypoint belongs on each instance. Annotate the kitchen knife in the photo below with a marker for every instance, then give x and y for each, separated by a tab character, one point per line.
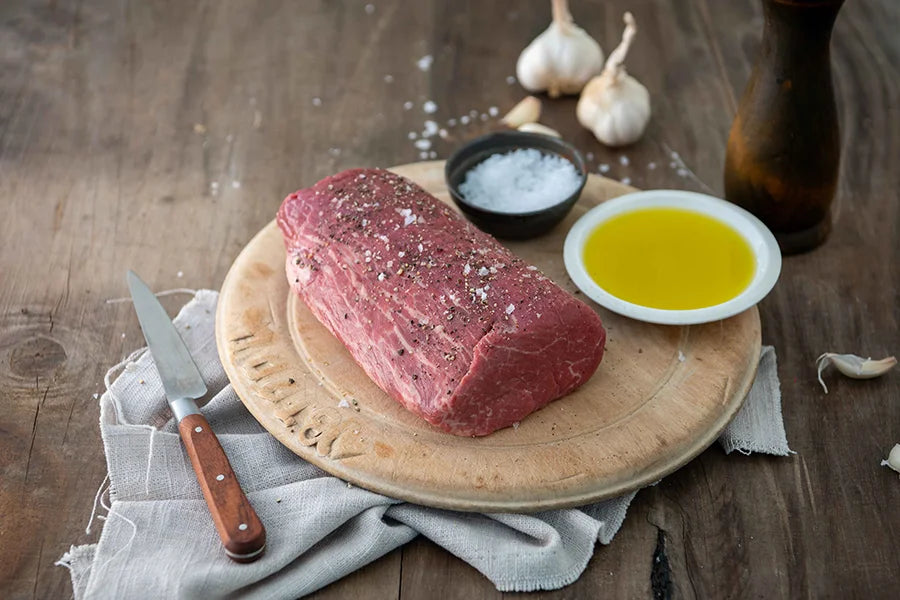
242	533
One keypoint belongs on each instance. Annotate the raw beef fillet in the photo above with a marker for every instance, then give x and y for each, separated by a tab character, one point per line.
442	317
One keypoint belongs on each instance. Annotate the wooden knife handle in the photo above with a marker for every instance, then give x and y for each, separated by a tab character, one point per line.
241	530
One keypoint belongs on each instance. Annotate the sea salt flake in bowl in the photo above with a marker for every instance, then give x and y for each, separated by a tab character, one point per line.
516	185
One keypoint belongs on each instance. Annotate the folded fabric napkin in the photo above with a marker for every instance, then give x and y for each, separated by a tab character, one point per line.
158	539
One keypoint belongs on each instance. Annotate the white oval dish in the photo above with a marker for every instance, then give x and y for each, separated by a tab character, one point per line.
761	241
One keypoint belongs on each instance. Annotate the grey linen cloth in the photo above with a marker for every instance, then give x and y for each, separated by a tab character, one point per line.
158	540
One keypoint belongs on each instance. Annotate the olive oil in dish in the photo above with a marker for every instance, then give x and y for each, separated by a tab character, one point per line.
669	258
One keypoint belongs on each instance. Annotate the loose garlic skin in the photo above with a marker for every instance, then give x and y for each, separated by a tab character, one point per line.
562	59
615	106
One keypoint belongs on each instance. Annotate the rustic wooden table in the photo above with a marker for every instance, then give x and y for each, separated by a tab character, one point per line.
161	136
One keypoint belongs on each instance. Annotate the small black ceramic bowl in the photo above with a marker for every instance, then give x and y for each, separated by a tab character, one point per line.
512	226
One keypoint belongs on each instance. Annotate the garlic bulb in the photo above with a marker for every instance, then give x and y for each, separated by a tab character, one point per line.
853	366
528	110
614	105
538	128
561	59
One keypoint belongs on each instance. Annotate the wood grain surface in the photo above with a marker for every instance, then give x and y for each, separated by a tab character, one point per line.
662	396
162	135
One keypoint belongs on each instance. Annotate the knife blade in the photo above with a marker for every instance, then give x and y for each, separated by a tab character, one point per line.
237	523
180	377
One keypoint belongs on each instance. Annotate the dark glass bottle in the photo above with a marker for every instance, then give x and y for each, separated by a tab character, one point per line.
784	148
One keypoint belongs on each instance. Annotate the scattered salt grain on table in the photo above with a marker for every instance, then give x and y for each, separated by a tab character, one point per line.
520	181
370	9
424	63
464	119
412	135
493	111
623	160
317	101
407	105
626	180
510	80
389	78
423	144
430	107
431	128
604	168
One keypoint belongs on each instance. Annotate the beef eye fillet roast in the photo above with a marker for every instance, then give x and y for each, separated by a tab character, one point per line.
442	317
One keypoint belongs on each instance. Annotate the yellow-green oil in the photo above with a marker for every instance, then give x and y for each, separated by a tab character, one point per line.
669	258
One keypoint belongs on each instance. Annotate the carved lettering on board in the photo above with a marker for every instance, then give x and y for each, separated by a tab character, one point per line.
335	432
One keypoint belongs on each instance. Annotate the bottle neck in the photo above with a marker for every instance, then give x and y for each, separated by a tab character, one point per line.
799	30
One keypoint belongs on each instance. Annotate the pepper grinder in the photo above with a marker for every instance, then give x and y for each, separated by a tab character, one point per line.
783	151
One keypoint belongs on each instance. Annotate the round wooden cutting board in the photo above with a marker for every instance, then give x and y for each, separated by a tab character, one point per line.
661	395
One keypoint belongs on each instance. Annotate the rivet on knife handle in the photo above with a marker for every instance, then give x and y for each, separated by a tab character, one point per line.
241	530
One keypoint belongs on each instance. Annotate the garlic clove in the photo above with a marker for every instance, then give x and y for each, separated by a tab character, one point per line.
528	110
538	128
561	59
614	105
853	366
893	459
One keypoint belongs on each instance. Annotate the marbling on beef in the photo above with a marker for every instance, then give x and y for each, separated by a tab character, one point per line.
441	316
